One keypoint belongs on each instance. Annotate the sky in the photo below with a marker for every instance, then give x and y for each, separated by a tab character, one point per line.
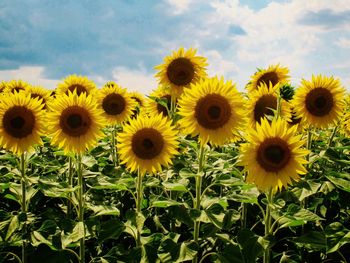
42	42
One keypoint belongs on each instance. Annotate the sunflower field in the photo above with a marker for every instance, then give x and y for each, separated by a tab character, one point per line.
196	171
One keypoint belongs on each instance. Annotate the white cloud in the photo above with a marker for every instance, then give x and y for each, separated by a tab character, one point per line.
343	42
30	74
218	65
179	6
134	80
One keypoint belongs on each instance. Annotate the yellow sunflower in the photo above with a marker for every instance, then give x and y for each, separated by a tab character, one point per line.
320	101
212	109
180	70
274	74
139	98
41	93
75	122
147	143
78	83
155	104
2	86
273	155
263	102
16	86
21	122
346	124
116	103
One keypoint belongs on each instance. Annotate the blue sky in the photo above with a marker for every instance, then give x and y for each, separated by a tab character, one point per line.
122	40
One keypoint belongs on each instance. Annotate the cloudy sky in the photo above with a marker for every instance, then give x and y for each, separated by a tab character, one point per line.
122	40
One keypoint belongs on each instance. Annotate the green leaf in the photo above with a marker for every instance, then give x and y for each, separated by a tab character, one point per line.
110	229
251	248
77	234
179	186
165	203
101	210
313	240
338	181
13	226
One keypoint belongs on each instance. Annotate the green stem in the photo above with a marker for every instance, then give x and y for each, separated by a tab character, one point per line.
24	206
70	184
278	110
309	143
114	146
197	204
81	207
138	205
268	220
332	136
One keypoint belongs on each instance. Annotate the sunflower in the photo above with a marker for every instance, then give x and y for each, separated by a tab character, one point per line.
139	98
16	86
41	93
319	101
116	103
273	155
346	124
274	74
21	122
147	143
180	70
157	101
2	86
212	109
263	102
78	83
75	122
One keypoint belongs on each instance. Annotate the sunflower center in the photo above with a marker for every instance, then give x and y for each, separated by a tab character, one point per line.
75	121
161	108
319	102
77	88
264	106
212	111
273	154
180	71
294	119
267	78
18	122
113	104
147	143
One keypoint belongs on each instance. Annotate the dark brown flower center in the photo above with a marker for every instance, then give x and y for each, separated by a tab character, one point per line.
319	102
137	100
273	154
161	108
294	119
180	71
17	89
114	104
267	78
264	106
212	111
18	122
75	121
78	88
147	143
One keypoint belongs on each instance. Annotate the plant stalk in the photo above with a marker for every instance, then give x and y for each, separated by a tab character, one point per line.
332	136
70	184
81	207
197	204
24	206
268	221
138	205
114	146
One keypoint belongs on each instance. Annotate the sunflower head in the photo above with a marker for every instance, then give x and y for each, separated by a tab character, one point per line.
180	70
116	103
41	93
2	86
274	74
287	92
21	122
139	98
212	109
273	155
159	102
79	84
75	122
319	101
263	103
14	86
147	143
